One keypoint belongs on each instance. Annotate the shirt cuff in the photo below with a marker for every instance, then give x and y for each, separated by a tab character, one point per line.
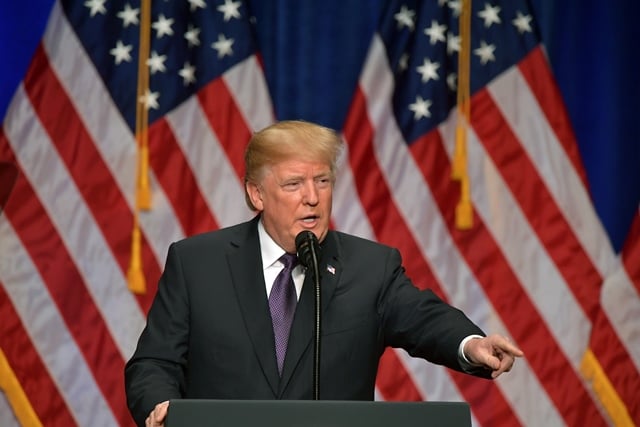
465	363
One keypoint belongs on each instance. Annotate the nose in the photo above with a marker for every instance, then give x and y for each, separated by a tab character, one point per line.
310	193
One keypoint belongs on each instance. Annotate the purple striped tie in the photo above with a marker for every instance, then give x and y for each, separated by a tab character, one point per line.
282	303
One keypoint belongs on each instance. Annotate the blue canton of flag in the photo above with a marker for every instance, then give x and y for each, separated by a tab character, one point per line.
191	43
422	41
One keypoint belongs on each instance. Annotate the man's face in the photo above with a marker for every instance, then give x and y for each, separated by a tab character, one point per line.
294	195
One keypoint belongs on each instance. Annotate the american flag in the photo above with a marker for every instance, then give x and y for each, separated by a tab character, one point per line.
536	264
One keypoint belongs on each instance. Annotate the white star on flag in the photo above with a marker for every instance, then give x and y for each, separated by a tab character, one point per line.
420	108
129	15
428	70
522	23
453	43
121	52
456	7
150	99
96	6
490	15
436	32
163	26
188	74
195	4
405	18
193	36
485	52
156	62
230	9
223	46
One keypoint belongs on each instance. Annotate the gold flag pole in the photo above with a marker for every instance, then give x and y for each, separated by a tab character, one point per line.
135	274
16	396
464	210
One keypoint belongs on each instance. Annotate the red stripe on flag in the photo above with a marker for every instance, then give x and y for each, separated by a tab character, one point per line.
178	181
226	121
503	289
29	369
631	252
627	386
393	381
67	288
537	73
605	343
91	176
486	401
536	202
553	230
391	229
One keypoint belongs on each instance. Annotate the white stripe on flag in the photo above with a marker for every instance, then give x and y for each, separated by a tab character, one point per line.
555	168
621	302
75	224
348	214
7	418
247	84
218	182
49	335
536	272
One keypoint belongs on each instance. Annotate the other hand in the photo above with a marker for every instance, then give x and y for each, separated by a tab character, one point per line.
157	416
494	352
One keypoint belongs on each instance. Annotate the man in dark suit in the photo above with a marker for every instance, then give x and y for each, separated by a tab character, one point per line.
210	334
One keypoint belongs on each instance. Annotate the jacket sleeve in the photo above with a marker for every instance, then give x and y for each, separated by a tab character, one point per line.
156	371
420	322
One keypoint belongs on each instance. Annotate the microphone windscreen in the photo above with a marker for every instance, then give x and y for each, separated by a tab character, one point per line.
306	246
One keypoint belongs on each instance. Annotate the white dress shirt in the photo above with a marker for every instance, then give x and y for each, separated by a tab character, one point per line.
271	266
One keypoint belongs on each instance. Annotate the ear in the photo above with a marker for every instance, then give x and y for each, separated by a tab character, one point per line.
255	195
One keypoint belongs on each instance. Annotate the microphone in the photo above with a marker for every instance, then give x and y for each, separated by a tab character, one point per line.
308	250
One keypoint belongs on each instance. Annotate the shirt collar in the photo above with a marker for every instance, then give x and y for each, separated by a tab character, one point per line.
269	249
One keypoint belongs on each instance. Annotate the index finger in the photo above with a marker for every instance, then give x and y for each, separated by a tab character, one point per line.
506	345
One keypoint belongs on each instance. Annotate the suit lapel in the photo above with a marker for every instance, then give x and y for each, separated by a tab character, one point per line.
300	339
248	279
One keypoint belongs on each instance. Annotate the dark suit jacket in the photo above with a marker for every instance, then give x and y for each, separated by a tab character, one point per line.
209	332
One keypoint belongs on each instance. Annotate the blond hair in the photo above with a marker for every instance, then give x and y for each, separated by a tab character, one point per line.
287	140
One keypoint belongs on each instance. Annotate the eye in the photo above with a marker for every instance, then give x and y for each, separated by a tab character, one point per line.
323	182
291	185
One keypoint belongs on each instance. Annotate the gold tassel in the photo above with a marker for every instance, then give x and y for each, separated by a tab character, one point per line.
459	167
135	274
592	371
464	209
16	396
144	189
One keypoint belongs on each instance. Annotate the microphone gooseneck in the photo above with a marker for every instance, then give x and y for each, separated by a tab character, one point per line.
308	250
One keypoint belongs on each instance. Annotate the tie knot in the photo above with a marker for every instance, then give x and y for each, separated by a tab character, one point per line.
289	260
